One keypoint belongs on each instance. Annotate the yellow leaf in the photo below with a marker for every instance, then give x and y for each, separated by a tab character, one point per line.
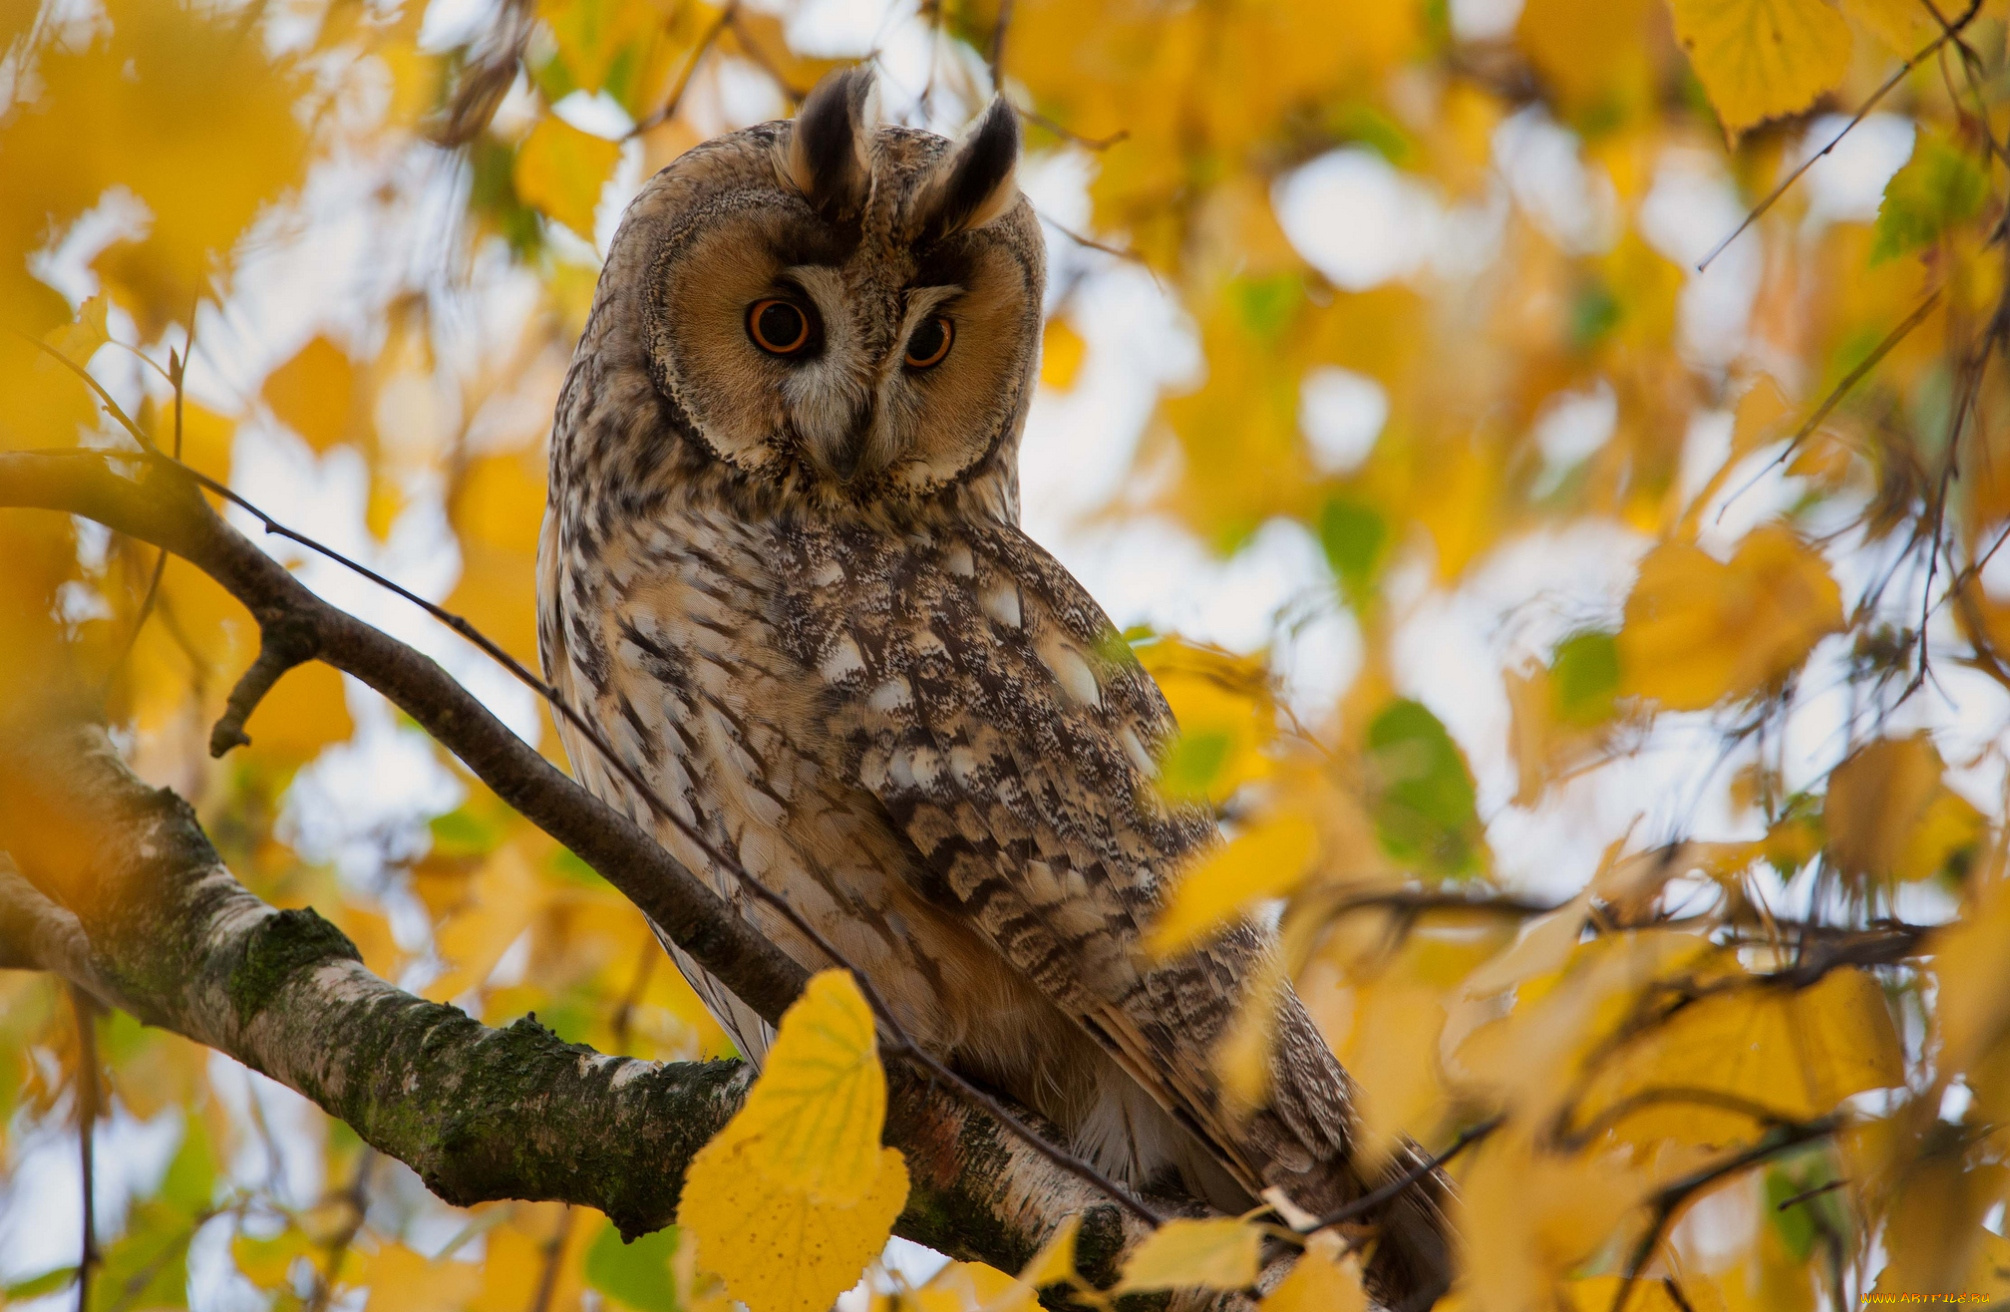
819	1105
1266	860
1061	355
80	341
314	393
401	1280
1888	815
1973	973
1795	1054
1529	1217
561	170
795	1195
1219	1253
1698	631
1903	25
1225	714
1319	1283
972	1287
1055	1262
1762	58
497	509
305	711
777	1249
173	104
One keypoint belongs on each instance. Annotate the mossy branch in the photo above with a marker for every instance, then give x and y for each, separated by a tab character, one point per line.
114	885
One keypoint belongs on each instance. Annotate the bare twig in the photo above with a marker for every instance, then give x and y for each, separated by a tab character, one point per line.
357	1197
283	642
1039	120
554	1253
1670	1199
1368	1202
996	58
84	1009
1809	1195
1839	391
1863	111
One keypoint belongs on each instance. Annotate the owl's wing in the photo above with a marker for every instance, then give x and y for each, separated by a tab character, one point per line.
1002	723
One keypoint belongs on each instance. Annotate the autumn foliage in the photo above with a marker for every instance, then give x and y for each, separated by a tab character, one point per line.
1642	838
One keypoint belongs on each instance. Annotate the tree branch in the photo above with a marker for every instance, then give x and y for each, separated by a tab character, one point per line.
480	1113
118	890
157	503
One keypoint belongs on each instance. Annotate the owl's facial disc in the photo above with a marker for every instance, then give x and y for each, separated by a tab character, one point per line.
868	313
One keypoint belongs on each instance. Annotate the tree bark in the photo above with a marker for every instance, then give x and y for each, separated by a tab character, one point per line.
113	886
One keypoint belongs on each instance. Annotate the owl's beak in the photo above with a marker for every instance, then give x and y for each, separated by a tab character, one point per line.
850	448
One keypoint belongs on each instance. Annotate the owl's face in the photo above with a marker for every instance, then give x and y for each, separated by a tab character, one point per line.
854	306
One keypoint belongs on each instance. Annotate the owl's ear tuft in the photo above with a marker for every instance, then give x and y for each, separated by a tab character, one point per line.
976	180
828	155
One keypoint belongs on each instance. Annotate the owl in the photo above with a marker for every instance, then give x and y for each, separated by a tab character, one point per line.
782	571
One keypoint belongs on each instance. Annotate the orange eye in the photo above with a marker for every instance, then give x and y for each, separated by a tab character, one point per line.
930	343
778	327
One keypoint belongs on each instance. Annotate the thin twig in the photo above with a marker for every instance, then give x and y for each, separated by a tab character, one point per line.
1370	1201
1808	1195
357	1195
1037	119
1863	112
1838	392
996	59
1670	1198
1091	243
554	1253
87	1116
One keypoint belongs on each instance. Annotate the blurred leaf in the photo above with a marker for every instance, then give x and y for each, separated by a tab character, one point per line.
1264	861
1889	816
1061	355
1792	1054
1212	1254
1425	803
1941	185
1697	631
1055	1262
1353	535
170	103
1319	1283
561	170
314	393
637	1274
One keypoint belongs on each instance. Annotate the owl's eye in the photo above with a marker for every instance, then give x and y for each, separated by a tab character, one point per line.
930	343
778	327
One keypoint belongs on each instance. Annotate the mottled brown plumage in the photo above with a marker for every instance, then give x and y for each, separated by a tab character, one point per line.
792	589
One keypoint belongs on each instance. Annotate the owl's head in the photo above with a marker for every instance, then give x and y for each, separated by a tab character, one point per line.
839	306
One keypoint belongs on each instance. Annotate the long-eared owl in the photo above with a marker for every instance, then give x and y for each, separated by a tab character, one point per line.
782	570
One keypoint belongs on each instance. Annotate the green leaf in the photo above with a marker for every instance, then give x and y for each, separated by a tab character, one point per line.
1193	762
1584	674
190	1181
36	1286
1425	806
1941	185
147	1267
636	1275
461	832
1353	535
